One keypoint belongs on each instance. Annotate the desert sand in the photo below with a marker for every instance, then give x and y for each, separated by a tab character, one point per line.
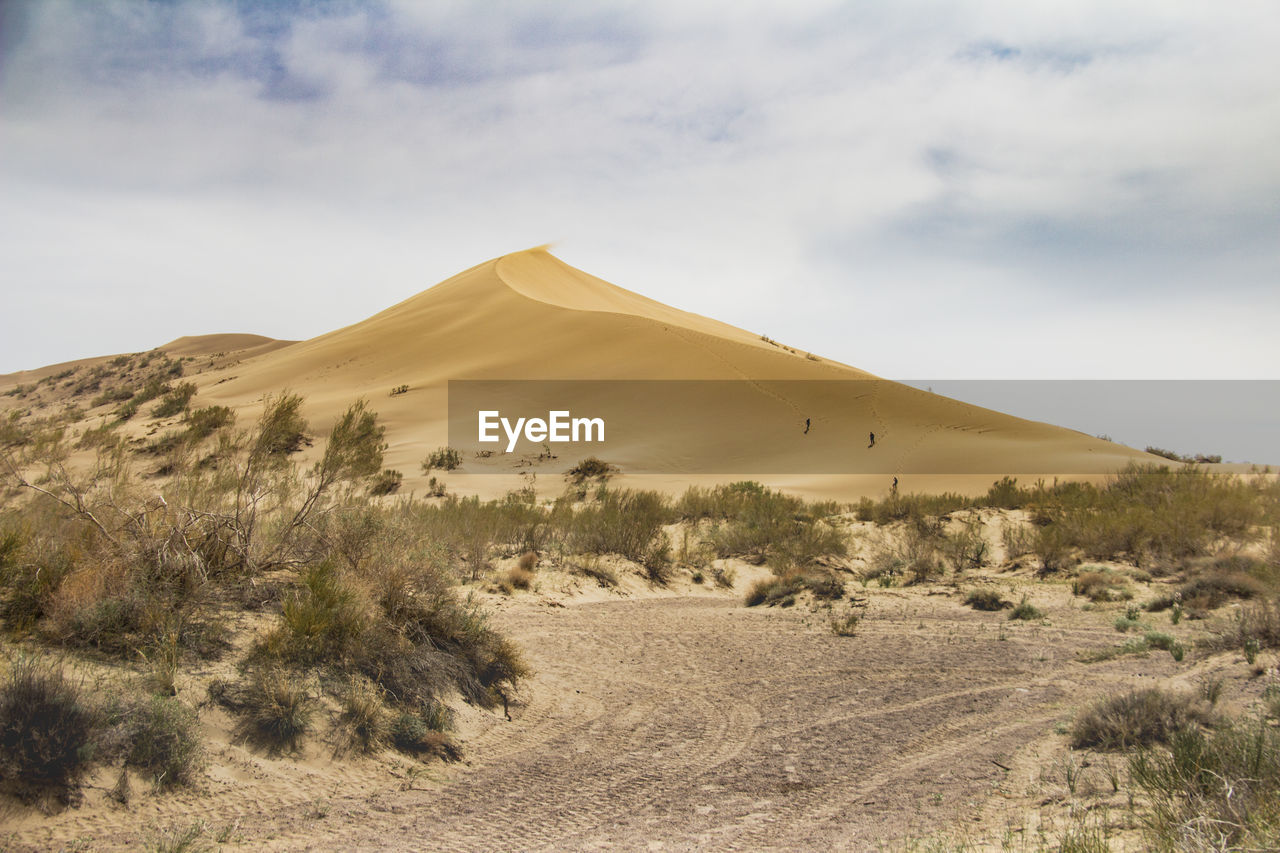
528	315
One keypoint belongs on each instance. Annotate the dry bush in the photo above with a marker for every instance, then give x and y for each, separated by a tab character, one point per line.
1102	586
158	735
386	483
1137	718
363	716
47	729
423	734
276	709
518	578
1018	540
1217	790
986	599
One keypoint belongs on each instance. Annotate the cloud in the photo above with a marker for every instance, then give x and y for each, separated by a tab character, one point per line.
889	184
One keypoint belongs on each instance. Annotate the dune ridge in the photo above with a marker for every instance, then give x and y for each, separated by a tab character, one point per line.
529	315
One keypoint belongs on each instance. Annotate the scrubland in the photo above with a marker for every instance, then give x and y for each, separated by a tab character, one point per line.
1102	656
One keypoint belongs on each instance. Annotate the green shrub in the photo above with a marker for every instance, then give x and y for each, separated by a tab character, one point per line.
442	459
781	591
46	731
175	401
324	622
203	423
158	735
1026	611
1136	718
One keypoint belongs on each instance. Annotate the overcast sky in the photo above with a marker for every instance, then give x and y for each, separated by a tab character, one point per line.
950	190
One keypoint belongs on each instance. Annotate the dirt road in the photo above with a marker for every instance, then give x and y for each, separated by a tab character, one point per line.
694	723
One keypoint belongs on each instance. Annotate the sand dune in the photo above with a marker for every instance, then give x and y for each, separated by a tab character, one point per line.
528	315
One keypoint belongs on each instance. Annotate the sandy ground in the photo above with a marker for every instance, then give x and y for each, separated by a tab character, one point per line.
685	721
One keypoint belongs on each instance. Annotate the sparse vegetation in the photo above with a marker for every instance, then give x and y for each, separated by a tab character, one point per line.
442	459
1137	718
46	731
986	599
1212	790
589	469
1026	611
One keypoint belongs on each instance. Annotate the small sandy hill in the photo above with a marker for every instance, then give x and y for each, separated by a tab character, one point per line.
242	345
529	315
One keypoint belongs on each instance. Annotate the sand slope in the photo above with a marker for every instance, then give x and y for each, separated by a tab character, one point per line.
528	315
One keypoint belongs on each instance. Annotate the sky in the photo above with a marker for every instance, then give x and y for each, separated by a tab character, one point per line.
950	190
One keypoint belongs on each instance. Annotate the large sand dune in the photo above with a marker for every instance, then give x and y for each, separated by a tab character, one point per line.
528	315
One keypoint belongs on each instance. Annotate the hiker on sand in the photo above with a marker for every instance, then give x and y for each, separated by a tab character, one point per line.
873	441
806	426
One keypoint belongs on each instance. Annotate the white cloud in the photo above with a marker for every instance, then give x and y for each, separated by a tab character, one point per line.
893	185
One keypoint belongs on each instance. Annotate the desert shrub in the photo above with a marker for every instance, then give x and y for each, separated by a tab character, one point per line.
175	401
1018	540
594	569
158	735
845	624
803	544
964	548
517	578
441	459
46	731
774	591
202	423
986	599
1259	624
1196	458
590	468
415	734
276	709
723	576
323	622
782	591
1152	513
1026	611
32	568
112	395
281	429
1102	586
103	436
1137	718
619	522
824	586
386	483
363	715
1217	790
1216	587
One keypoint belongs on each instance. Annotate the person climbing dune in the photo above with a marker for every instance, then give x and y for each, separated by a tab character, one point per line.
806	426
873	441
